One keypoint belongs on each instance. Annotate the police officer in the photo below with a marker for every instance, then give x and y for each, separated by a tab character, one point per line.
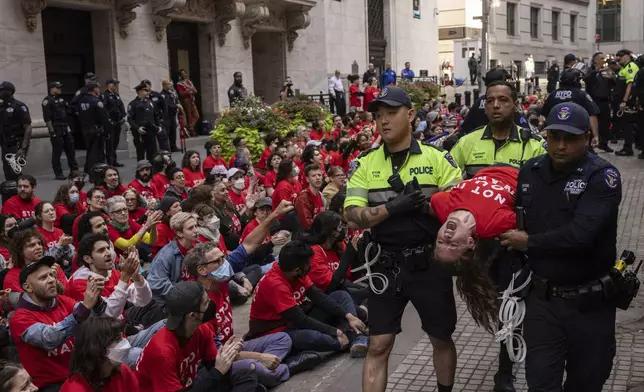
382	194
568	92
625	78
172	108
89	77
15	128
54	112
476	117
599	83
94	123
502	140
638	93
160	109
237	90
144	123
553	77
116	112
570	198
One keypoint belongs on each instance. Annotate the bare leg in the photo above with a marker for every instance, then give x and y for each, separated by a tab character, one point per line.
374	370
444	360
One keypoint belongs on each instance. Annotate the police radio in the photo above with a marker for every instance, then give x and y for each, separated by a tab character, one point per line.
625	283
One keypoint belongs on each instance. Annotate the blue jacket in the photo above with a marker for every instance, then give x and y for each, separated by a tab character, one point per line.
387	78
407	74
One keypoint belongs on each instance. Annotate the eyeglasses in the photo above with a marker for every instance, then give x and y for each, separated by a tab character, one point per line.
98	198
122	211
218	260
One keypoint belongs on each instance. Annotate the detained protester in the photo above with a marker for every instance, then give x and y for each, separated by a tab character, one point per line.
8	226
191	167
99	358
177	187
136	206
231	221
183	356
45	322
22	205
160	164
208	265
270	179
96	202
213	158
169	206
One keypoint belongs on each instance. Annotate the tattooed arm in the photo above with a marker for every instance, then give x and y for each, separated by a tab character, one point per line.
365	217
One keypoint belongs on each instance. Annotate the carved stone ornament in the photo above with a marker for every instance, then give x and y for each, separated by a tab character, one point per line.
160	11
297	20
197	10
227	11
125	15
31	9
255	14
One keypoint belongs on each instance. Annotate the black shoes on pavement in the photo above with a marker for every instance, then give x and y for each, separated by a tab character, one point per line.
504	382
605	147
624	153
306	360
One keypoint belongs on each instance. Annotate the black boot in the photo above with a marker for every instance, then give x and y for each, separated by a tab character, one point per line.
504	379
605	147
624	153
306	360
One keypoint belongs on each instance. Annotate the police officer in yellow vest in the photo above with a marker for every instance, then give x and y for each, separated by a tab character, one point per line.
388	191
501	141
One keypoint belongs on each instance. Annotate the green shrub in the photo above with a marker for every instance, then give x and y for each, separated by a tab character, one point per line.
420	92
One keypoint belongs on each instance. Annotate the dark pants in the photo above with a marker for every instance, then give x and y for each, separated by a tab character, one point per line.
62	141
145	145
339	103
146	315
95	144
253	274
162	137
171	130
627	125
604	121
310	340
9	174
472	77
239	381
112	143
560	337
552	85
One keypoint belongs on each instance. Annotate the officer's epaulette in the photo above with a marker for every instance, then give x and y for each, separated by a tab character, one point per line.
367	152
428	143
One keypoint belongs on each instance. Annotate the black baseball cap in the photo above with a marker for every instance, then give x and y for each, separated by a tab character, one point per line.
141	86
145	81
7	86
568	117
90	75
183	298
55	85
112	81
569	58
391	96
624	52
31	268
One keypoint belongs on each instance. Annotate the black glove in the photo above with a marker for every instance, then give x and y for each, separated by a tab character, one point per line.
406	202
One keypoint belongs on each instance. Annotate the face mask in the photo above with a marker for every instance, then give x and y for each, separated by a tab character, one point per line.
223	273
213	224
303	274
210	313
119	353
296	171
239	184
79	184
74	197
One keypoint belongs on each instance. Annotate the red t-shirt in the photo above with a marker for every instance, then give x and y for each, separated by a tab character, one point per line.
51	237
222	242
193	178
275	293
44	366
252	225
166	366
354	99
270	179
137	214
75	228
370	94
160	184
126	235
19	208
12	279
83	199
211	162
124	381
118	191
78	283
222	324
261	164
146	190
239	200
164	236
286	191
62	209
489	196
323	264
231	163
316	134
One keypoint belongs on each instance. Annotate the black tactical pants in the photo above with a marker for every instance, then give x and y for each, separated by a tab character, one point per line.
95	145
604	121
112	143
9	174
145	145
171	131
62	140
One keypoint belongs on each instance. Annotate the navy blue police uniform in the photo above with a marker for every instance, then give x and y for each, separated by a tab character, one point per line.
94	122
55	110
116	112
141	114
14	116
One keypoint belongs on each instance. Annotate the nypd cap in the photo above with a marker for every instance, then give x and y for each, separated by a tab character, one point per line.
391	96
568	117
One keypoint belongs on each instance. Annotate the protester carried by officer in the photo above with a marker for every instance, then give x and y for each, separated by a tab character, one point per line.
388	191
15	131
570	200
54	112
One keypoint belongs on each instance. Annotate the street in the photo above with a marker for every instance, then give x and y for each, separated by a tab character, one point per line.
410	364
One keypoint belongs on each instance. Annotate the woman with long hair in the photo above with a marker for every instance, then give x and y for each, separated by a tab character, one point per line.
111	182
57	243
287	184
230	220
191	167
99	358
311	155
14	378
270	178
68	206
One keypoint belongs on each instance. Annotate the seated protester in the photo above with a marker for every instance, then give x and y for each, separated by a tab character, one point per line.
99	359
237	192
208	265
125	233
311	155
218	173
45	322
270	178
68	207
288	186
77	178
191	167
337	206
271	141
264	254
169	206
230	220
214	157
57	244
111	183
22	205
336	180
238	143
177	187
183	356
14	378
160	182
201	194
309	203
27	247
355	148
7	223
142	182
245	163
287	301
95	203
136	211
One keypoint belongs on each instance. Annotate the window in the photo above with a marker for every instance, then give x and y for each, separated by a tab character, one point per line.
539	67
510	18
609	20
555	25
573	28
534	22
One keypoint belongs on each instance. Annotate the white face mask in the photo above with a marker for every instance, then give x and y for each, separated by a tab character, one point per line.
239	184
120	352
213	224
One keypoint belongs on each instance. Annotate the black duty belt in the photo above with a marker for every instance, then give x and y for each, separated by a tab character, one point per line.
548	290
410	259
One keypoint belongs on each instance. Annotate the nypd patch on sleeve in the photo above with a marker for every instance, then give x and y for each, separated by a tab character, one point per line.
450	159
611	177
353	166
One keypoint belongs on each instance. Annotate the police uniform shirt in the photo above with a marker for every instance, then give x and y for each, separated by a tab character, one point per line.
368	186
159	103
477	117
54	109
171	101
570	218
598	85
479	149
114	106
569	94
140	113
236	92
91	112
14	115
626	76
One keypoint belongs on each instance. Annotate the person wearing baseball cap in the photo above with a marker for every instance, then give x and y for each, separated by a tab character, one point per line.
623	91
116	111
160	109
16	129
142	181
174	355
55	112
570	200
388	191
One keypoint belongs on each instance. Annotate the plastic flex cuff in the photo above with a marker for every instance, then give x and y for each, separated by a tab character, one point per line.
15	163
511	315
372	276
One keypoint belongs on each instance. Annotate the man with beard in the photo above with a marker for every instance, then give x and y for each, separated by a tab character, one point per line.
15	128
22	205
44	324
142	182
237	91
